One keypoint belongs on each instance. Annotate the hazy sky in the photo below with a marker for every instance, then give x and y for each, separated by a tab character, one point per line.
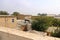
31	6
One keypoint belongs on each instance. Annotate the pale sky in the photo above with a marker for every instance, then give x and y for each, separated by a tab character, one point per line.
31	7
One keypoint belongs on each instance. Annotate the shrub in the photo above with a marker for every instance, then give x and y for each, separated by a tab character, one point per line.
42	23
56	22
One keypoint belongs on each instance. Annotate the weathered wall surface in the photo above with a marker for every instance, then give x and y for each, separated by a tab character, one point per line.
6	21
7	36
13	34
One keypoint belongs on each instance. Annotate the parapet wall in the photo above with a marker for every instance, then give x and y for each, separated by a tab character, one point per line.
13	34
7	36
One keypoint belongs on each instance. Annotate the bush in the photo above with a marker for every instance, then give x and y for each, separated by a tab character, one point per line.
42	23
39	26
56	22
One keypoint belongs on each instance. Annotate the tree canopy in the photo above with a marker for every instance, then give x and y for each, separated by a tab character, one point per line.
43	14
15	13
4	13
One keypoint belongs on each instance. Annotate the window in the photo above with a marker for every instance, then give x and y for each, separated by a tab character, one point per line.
12	20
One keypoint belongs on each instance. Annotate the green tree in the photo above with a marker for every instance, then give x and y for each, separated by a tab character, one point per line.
43	14
39	14
15	13
4	13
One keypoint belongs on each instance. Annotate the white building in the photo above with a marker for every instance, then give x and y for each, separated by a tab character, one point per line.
51	15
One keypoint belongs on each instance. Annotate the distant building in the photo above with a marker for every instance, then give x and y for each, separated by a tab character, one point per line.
57	16
34	17
51	15
22	17
8	21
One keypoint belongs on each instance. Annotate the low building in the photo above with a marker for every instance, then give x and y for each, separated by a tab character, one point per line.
8	21
51	15
57	16
22	16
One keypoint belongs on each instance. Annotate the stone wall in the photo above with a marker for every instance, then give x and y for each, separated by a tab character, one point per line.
13	34
7	36
6	21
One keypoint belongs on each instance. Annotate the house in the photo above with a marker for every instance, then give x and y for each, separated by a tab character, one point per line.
8	21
